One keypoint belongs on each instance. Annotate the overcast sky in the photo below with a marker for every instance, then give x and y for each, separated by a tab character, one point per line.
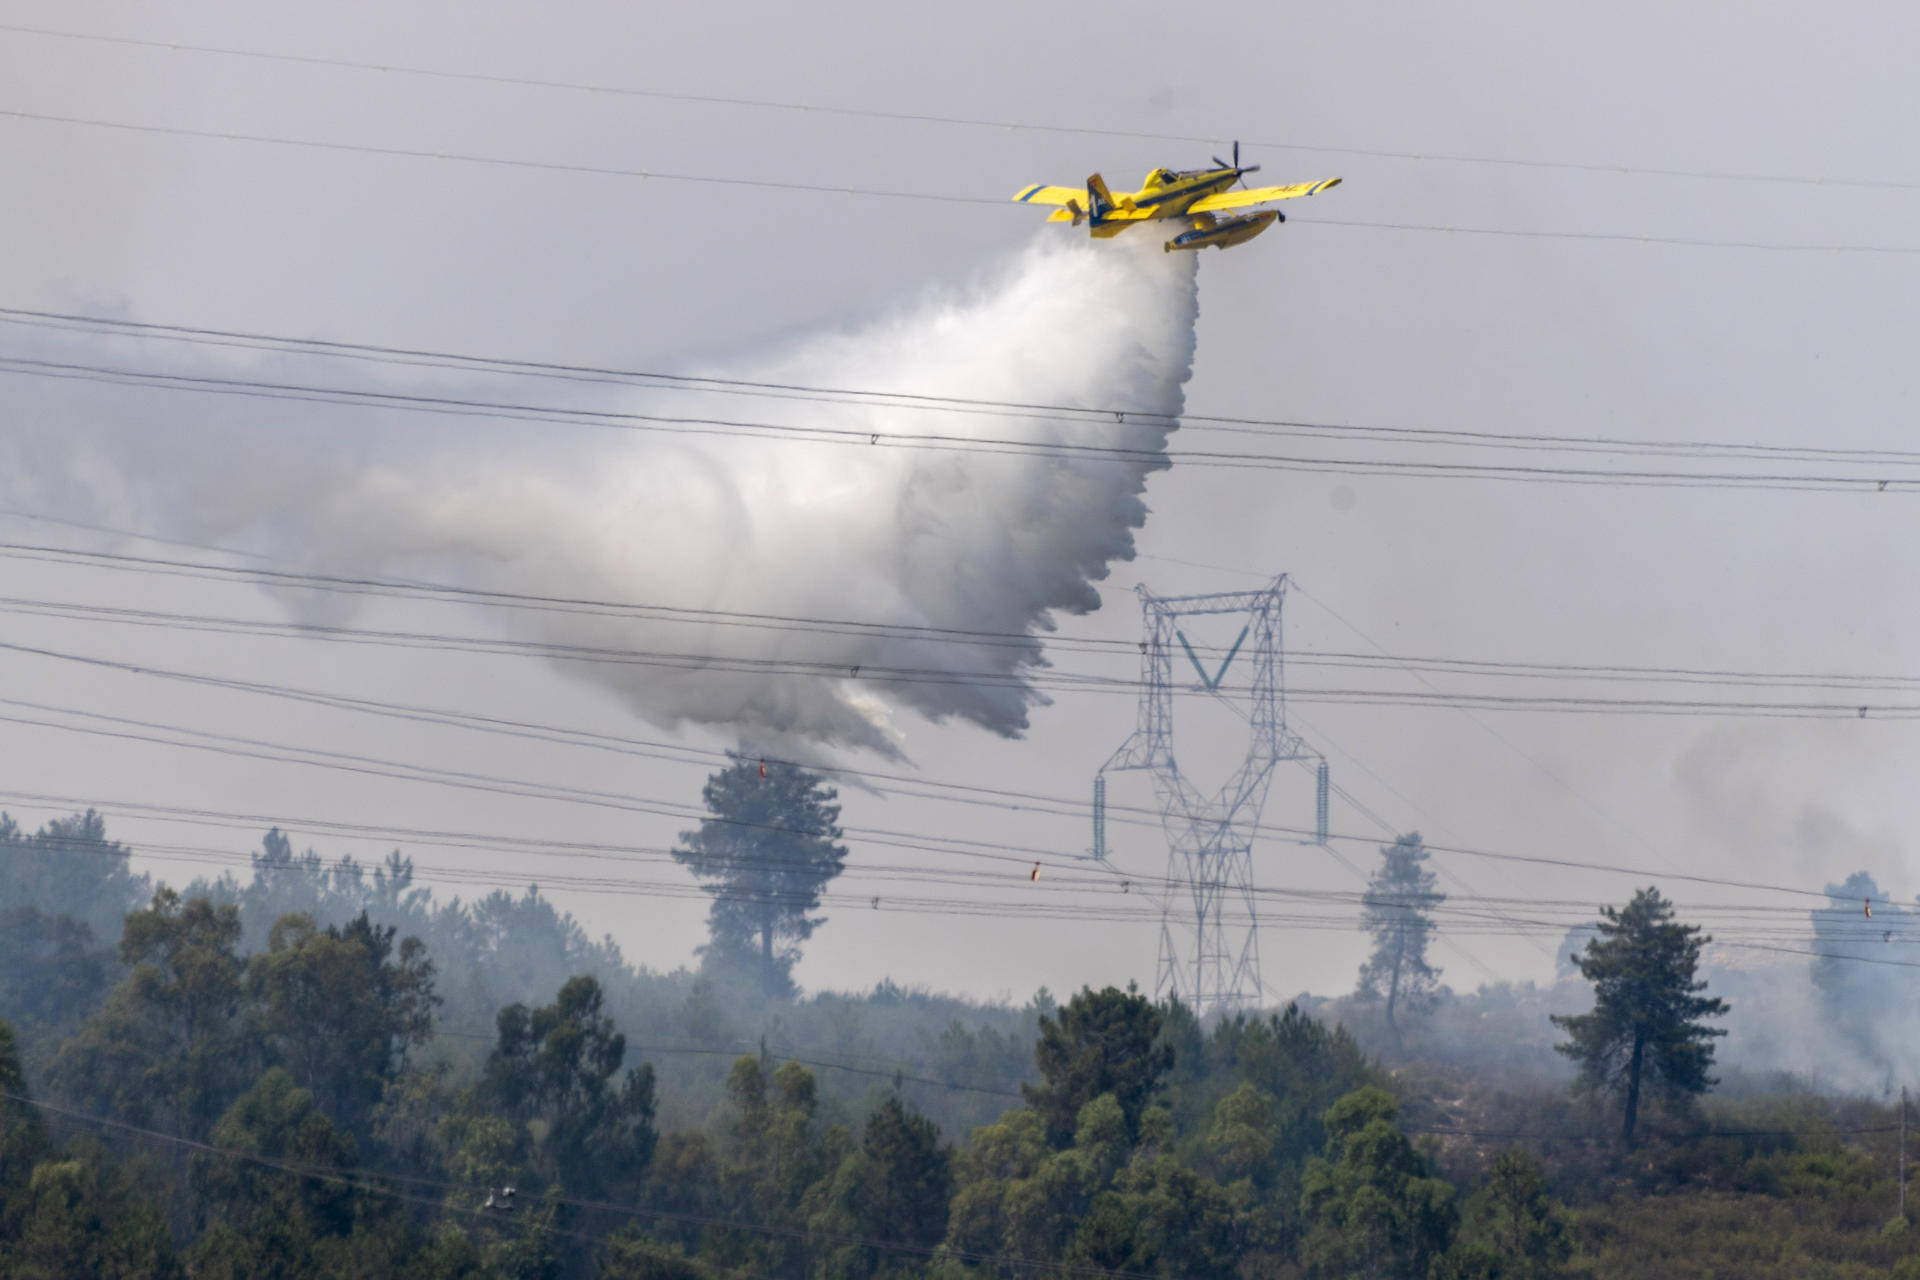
1320	320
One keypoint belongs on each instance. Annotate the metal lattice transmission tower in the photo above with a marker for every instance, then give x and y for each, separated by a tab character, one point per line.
1209	930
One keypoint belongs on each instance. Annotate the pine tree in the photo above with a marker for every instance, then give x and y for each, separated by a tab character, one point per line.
1102	1042
766	854
905	1178
1400	896
1647	1027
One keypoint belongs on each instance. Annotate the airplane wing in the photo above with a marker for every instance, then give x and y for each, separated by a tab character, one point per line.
1260	195
1050	195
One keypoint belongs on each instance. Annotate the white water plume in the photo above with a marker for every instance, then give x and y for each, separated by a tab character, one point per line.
874	527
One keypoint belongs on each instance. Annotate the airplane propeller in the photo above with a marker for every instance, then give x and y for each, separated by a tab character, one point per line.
1235	166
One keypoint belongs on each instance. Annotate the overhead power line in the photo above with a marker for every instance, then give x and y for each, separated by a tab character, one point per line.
1449	921
1464	913
920	401
137	730
881	675
886	782
1465	668
917	786
1837	914
151	731
917	633
1735	926
1047	681
1004	799
960	121
871	436
1101	414
884	193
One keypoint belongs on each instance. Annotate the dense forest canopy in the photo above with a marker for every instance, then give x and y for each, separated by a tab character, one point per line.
323	1069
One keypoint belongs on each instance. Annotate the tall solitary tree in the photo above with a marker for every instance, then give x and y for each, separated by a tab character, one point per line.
1647	1028
1396	910
765	855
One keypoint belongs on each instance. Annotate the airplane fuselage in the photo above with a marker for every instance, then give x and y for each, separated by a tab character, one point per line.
1170	194
1165	194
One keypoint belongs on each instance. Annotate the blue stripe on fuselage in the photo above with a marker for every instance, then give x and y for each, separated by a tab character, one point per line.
1195	187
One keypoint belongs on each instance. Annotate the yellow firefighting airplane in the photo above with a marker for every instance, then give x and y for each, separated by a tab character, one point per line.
1193	195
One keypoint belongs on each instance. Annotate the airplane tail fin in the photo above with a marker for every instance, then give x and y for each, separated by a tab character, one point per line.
1099	199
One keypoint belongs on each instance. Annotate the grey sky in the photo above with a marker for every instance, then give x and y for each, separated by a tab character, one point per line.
1315	321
